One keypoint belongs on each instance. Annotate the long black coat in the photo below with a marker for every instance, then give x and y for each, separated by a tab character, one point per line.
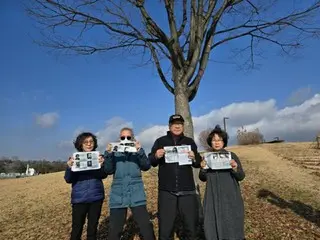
223	204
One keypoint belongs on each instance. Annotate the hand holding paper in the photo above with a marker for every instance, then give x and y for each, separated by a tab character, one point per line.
234	165
109	148
160	153
191	155
70	161
138	145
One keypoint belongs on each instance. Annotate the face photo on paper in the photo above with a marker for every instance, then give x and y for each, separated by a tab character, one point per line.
214	156
224	155
183	149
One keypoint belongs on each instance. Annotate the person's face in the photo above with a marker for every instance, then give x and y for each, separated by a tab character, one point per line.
216	142
126	135
88	144
176	128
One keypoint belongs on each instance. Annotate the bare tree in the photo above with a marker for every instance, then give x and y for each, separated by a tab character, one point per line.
194	29
203	135
245	137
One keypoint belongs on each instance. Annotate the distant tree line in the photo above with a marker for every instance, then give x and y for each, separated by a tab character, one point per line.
14	165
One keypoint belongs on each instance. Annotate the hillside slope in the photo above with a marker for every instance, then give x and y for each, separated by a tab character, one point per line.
281	201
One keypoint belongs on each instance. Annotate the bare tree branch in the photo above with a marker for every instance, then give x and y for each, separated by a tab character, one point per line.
281	23
204	25
184	18
159	69
206	49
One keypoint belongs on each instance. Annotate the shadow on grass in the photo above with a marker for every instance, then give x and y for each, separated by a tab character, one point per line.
301	209
130	230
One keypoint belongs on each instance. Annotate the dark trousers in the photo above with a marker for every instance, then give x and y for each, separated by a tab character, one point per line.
79	213
169	205
140	215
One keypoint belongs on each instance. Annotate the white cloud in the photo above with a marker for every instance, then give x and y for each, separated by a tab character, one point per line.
110	132
148	136
300	95
47	120
294	123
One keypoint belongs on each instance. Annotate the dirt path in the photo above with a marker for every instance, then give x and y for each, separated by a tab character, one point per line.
285	171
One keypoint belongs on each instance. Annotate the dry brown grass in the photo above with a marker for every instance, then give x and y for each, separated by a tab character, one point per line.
281	200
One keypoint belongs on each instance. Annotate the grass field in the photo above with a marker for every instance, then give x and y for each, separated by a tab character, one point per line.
281	193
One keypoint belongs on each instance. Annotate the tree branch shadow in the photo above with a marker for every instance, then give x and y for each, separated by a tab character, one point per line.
130	230
301	209
178	227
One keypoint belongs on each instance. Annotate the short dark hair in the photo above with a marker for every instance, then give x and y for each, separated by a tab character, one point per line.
221	133
80	139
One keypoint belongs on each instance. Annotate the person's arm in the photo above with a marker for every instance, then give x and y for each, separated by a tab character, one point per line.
196	162
143	160
238	173
152	155
69	176
203	175
101	173
109	165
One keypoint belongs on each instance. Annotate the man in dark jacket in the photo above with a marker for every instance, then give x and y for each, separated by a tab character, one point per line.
177	193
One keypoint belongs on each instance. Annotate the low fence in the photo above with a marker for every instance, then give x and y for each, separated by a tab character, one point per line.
13	175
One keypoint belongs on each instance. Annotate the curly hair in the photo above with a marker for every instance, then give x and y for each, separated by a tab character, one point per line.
80	139
221	133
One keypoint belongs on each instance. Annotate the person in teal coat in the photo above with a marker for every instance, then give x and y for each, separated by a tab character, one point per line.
127	189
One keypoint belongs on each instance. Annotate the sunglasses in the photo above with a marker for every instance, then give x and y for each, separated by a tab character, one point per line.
126	137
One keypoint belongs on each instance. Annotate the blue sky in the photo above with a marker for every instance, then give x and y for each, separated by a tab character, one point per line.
85	92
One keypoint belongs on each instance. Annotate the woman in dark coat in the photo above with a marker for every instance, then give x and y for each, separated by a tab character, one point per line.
223	203
87	190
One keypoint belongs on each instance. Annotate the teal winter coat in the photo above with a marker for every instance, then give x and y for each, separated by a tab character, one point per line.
127	189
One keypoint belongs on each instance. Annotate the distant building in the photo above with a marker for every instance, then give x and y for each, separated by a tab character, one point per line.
30	171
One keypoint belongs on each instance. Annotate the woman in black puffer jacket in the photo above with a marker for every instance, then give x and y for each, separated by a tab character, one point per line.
87	190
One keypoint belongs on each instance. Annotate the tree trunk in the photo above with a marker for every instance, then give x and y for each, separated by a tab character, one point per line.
182	107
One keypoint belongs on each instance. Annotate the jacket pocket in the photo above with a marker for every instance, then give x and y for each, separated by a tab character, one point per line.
138	196
116	195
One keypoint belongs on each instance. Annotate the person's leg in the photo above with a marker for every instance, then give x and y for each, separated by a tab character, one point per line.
117	220
79	213
94	213
188	210
167	211
141	216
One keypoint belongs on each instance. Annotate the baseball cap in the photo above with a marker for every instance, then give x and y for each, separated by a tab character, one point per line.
176	118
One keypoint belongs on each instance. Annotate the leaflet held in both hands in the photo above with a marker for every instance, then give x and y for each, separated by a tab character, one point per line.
84	161
124	146
178	154
218	160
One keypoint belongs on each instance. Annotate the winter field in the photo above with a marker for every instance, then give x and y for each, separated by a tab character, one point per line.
281	193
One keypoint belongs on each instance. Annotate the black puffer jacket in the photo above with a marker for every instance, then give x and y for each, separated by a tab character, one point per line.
172	177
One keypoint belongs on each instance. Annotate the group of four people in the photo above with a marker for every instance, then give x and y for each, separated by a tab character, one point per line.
223	204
